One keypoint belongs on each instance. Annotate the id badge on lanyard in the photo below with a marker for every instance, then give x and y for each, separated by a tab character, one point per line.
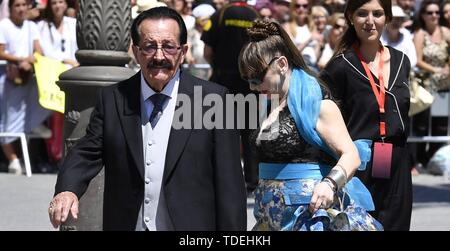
382	160
382	152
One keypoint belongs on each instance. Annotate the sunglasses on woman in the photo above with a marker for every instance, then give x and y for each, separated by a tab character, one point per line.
430	13
260	77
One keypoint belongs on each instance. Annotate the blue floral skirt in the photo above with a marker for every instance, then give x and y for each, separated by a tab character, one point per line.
282	205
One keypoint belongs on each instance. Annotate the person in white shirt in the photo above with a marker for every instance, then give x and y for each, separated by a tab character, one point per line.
19	107
399	38
338	27
58	33
313	47
4	11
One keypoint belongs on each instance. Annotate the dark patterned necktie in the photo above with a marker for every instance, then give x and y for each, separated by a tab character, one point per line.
158	102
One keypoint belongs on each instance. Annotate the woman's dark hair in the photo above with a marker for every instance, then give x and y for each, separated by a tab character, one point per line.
350	36
11	3
48	13
418	21
158	13
442	20
267	41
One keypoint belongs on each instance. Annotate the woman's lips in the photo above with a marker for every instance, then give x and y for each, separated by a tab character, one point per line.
369	30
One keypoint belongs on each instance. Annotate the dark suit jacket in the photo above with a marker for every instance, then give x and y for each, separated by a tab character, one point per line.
202	180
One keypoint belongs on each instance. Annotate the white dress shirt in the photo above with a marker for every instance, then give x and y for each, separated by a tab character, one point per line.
153	214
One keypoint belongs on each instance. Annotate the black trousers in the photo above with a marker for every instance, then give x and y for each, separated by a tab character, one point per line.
392	197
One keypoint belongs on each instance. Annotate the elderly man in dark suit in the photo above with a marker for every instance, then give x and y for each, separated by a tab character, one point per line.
157	177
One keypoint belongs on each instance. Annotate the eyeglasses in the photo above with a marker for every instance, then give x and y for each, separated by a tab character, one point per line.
430	13
338	26
297	6
62	45
151	49
319	17
260	78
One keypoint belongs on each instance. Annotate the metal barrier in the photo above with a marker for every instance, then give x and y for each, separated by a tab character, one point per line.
439	108
24	144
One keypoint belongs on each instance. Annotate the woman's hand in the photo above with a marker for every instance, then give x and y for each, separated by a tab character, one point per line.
71	62
25	65
30	59
323	197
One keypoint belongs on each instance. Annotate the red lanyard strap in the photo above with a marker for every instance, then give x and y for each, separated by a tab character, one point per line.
380	95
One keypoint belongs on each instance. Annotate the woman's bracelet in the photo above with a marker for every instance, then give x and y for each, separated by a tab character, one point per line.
343	170
330	184
338	176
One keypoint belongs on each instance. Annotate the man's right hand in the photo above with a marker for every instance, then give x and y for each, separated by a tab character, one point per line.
60	206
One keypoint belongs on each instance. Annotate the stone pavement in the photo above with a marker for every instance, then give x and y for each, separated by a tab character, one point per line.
24	202
431	208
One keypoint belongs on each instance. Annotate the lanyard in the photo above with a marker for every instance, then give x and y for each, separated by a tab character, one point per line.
380	95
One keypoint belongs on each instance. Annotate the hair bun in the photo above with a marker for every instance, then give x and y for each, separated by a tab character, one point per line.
262	29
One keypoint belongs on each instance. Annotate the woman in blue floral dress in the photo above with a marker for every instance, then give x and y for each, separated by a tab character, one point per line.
307	158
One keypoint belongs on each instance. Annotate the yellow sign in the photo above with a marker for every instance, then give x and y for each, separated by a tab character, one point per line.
47	73
238	23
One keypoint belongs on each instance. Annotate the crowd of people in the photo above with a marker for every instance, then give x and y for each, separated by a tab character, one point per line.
340	68
28	27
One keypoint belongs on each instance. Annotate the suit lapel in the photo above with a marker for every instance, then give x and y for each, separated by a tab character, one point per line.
179	137
128	104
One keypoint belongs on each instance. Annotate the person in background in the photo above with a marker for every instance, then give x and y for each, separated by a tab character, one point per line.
265	9
223	39
432	42
371	83
72	8
398	37
408	7
58	33
338	27
334	6
58	41
220	3
35	10
316	43
306	156
445	17
4	10
184	8
202	14
300	9
298	28
19	107
281	11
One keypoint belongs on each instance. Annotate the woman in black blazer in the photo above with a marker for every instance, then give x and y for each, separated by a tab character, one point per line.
357	70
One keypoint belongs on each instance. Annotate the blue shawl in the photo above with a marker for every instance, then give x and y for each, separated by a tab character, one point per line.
304	99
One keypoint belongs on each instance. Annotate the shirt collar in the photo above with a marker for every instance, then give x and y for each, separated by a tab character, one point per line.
147	92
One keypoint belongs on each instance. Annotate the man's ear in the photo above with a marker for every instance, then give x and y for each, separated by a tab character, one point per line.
185	49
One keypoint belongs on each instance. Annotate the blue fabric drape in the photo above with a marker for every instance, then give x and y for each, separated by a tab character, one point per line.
304	99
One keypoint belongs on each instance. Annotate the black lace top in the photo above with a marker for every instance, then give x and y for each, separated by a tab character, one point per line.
285	145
